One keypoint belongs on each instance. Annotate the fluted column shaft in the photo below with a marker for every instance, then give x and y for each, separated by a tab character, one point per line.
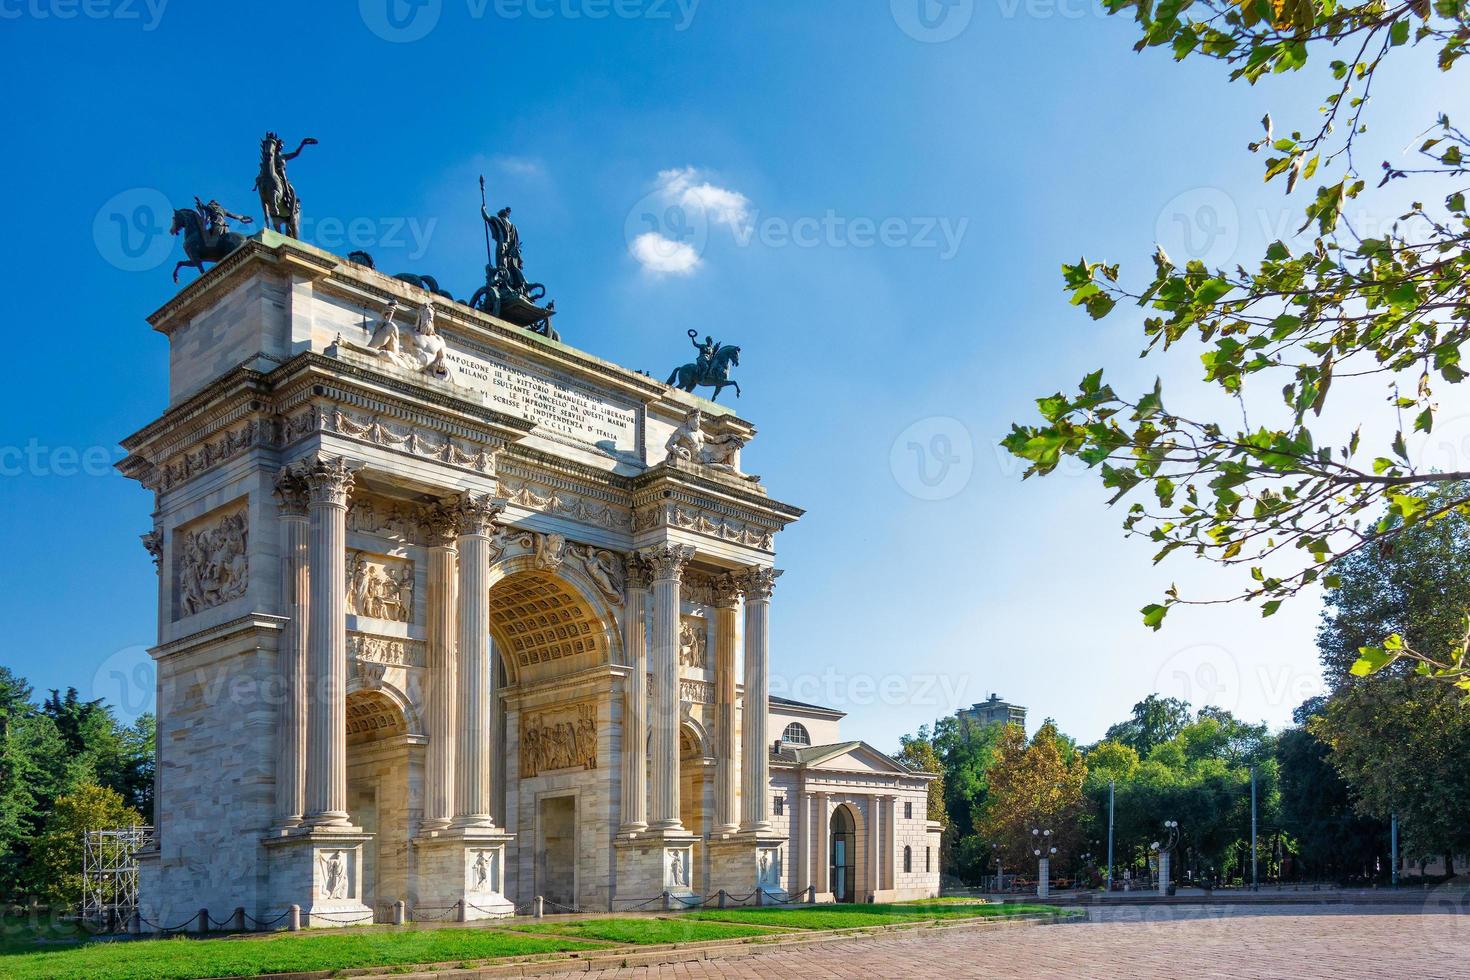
329	482
635	701
442	624
755	813
291	491
875	843
667	563
727	772
475	683
822	866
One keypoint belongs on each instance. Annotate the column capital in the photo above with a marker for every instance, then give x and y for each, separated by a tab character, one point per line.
667	562
441	526
476	513
329	480
725	590
291	491
759	583
153	544
637	576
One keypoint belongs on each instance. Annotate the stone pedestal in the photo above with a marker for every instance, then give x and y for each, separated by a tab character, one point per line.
1043	878
653	863
464	871
321	872
1164	872
744	864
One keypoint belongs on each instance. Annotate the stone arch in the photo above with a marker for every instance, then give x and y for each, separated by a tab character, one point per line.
374	714
695	736
547	622
375	691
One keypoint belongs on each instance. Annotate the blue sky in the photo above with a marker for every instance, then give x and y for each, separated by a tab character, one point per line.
881	214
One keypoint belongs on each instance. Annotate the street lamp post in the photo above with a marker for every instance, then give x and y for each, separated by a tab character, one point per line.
1000	874
1041	846
1165	851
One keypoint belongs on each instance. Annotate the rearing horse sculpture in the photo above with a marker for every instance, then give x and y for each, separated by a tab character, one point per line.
278	198
199	246
689	376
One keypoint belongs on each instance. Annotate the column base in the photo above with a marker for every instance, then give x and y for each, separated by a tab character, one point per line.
751	868
653	863
322	873
463	870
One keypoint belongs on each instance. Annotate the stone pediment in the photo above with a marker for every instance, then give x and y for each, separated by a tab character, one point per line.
846	757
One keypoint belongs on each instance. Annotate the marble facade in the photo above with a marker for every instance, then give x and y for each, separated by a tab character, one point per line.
458	635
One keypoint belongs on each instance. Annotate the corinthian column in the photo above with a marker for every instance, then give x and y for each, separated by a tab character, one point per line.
667	563
292	493
755	814
635	700
476	742
329	482
727	772
439	774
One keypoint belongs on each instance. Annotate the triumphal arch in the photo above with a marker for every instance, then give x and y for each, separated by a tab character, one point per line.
454	614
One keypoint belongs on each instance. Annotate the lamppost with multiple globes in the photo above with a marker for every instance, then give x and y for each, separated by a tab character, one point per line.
1041	846
1165	851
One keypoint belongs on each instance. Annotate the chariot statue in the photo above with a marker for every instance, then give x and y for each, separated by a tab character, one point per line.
507	293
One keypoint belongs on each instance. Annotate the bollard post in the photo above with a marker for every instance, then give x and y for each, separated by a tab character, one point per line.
204	920
760	896
135	923
540	912
239	924
463	911
668	900
811	894
293	922
400	912
722	898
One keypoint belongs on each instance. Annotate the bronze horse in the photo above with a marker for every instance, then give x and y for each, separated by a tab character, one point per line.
278	198
199	246
688	377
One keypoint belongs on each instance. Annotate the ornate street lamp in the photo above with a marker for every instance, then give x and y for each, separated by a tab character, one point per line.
1165	851
1041	847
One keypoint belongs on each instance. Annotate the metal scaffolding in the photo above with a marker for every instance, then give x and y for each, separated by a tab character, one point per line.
110	875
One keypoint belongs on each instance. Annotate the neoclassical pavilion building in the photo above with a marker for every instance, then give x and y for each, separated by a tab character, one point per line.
456	615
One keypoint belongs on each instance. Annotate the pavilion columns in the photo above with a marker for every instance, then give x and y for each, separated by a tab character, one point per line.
875	844
635	700
442	624
822	859
292	493
329	482
757	585
667	563
727	774
476	742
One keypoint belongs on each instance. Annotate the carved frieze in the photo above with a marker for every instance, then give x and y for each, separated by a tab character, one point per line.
379	587
564	503
689	518
395	519
413	440
184	466
389	650
213	561
562	737
696	692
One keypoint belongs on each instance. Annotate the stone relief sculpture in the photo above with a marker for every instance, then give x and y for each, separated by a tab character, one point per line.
379	588
690	443
551	550
679	866
334	875
769	870
389	518
423	351
559	738
480	872
214	565
604	568
693	643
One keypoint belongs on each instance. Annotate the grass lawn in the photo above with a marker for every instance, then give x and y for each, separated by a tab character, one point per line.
645	932
182	959
852	916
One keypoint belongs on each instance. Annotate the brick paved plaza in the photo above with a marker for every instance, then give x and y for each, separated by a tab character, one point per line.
1224	942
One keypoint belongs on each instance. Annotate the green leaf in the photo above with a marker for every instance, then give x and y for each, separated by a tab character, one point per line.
1370	661
1153	615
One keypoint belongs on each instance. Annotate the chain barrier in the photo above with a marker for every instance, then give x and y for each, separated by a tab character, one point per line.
342	917
266	923
416	914
558	907
169	929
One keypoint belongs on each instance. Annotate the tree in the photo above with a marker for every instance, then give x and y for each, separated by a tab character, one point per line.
1414	590
1155	721
1280	497
966	751
1035	785
32	769
56	860
917	753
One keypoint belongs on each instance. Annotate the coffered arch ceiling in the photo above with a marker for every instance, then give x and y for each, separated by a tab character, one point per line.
544	627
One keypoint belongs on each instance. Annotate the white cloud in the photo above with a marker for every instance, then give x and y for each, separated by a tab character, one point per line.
720	204
664	256
523	167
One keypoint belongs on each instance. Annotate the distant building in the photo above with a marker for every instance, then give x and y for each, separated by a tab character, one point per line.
994	712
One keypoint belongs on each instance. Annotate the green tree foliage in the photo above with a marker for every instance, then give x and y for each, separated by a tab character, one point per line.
1415	590
52	751
1282	499
1034	785
1155	721
1332	841
56	859
917	752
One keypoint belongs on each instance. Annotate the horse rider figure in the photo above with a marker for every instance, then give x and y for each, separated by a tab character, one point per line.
507	248
705	362
216	217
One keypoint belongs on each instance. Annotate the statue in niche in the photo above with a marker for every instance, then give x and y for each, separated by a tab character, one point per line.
481	871
214	566
334	875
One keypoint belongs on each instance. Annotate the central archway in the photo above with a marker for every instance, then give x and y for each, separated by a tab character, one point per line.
378	747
